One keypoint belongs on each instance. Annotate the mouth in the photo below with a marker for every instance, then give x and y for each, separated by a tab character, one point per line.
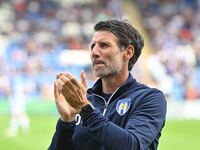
98	63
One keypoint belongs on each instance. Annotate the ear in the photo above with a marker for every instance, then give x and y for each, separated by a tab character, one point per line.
129	52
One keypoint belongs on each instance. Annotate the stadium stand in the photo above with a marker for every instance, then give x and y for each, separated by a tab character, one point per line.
34	34
174	30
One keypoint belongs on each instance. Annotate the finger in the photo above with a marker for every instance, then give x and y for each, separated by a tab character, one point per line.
66	84
56	92
83	79
72	79
58	75
61	82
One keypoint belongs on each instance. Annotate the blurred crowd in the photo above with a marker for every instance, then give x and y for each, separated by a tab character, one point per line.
33	34
173	27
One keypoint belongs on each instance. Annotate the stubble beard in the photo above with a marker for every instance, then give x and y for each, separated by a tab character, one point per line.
108	70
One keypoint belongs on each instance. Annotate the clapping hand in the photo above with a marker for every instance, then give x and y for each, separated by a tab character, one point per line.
70	95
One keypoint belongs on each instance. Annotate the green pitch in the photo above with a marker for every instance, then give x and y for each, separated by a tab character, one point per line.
180	135
177	135
42	129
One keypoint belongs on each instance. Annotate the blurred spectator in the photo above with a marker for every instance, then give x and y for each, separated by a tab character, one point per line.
33	33
173	27
17	102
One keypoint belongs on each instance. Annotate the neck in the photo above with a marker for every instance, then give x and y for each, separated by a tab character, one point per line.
110	84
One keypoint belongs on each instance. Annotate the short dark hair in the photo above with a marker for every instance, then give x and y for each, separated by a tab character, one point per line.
126	34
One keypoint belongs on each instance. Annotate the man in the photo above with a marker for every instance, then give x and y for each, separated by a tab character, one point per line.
118	113
19	120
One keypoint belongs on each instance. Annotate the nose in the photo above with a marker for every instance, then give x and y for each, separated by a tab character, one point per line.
95	52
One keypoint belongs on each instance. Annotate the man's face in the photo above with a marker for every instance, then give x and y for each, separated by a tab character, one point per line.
106	56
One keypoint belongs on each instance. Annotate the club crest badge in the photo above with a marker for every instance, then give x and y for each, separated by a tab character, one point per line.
123	106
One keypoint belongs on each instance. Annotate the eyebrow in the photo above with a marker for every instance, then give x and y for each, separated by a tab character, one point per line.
101	41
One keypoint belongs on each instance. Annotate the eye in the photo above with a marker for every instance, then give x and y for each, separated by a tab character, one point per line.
103	45
92	46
